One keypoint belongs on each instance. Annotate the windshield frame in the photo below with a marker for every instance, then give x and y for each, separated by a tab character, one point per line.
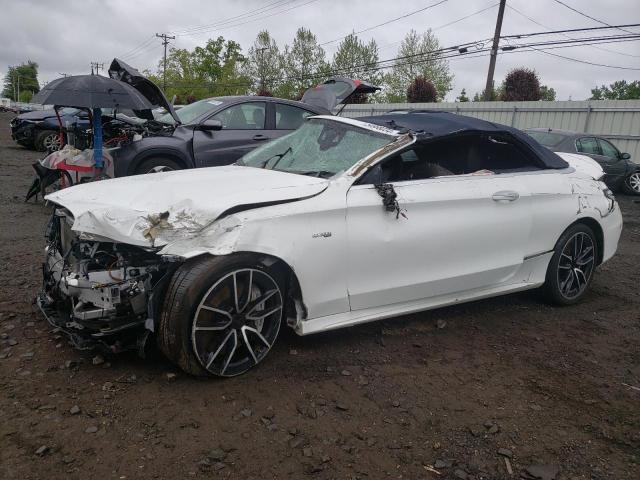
223	103
392	135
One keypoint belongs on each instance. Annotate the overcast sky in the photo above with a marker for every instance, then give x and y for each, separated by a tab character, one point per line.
66	35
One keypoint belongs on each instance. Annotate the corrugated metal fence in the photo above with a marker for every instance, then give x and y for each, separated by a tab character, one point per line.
616	120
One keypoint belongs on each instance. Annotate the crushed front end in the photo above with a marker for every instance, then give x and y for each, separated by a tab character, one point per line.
103	295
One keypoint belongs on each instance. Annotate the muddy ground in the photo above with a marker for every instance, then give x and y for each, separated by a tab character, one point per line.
442	390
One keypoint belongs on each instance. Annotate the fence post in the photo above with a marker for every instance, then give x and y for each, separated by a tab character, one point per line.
513	116
586	120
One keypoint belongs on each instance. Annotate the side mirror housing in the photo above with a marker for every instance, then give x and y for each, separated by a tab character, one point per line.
625	156
210	126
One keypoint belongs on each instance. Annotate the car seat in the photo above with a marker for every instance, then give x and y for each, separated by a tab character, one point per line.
258	118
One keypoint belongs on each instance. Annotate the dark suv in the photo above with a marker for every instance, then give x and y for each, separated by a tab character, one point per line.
218	131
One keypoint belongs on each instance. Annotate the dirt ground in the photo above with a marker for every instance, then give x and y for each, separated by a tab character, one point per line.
431	395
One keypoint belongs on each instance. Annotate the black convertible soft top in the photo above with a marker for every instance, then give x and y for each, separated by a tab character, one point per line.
432	124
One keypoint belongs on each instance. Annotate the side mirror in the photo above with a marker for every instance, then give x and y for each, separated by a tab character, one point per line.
625	156
210	126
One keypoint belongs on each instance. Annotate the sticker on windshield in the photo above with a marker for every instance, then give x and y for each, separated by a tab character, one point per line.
214	102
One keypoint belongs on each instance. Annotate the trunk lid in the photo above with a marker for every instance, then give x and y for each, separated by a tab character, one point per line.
336	90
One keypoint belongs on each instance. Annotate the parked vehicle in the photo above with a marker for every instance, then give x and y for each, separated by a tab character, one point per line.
218	131
338	223
621	173
40	129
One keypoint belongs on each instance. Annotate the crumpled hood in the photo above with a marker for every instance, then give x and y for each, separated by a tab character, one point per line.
159	208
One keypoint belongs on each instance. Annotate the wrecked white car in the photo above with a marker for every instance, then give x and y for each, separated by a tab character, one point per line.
338	223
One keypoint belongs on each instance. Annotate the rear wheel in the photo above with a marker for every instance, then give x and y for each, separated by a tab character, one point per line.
571	268
157	165
221	315
47	141
632	184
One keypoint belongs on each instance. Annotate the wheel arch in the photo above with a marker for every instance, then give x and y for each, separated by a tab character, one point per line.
169	153
295	309
595	226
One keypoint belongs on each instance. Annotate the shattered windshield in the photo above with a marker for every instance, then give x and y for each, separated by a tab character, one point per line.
321	147
191	112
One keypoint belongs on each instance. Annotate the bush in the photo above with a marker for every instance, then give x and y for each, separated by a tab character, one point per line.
263	92
521	84
421	90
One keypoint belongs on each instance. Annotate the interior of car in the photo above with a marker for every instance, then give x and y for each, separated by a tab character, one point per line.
455	155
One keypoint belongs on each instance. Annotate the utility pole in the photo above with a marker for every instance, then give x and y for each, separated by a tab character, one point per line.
488	89
97	66
165	41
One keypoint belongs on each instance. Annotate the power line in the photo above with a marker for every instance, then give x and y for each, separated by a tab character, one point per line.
588	16
242	16
571	30
97	66
260	17
566	36
434	29
387	22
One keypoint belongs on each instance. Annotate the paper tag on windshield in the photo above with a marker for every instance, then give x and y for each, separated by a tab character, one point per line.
214	102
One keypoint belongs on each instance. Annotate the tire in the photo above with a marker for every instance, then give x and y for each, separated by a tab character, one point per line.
632	184
202	330
156	165
47	141
569	275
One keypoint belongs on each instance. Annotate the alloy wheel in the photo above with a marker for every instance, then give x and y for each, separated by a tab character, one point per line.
237	322
634	182
51	142
576	265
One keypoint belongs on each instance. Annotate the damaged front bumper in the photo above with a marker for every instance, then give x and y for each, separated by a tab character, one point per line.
103	295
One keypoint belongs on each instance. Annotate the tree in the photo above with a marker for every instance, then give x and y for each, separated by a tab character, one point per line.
421	90
358	60
418	57
304	63
521	84
22	78
547	93
620	90
264	65
463	96
210	70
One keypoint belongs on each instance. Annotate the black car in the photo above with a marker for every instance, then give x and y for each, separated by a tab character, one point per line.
218	131
621	173
39	129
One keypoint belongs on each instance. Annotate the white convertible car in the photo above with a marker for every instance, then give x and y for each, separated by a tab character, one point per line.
338	223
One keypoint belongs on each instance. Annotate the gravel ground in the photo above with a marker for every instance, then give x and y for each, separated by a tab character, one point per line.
441	391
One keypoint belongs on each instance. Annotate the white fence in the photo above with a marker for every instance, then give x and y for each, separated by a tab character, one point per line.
616	120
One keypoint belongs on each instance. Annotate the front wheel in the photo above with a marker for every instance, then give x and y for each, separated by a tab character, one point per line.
47	141
158	165
221	315
571	268
632	184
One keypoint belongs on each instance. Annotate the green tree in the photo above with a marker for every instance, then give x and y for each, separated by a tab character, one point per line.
620	90
264	65
547	93
463	96
210	70
304	63
418	57
357	60
23	78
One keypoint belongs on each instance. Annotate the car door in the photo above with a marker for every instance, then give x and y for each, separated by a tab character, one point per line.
461	233
244	127
289	118
616	168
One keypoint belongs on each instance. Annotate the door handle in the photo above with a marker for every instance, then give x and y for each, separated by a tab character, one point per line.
505	196
260	137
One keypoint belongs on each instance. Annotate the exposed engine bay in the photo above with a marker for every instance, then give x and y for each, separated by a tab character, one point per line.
100	293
